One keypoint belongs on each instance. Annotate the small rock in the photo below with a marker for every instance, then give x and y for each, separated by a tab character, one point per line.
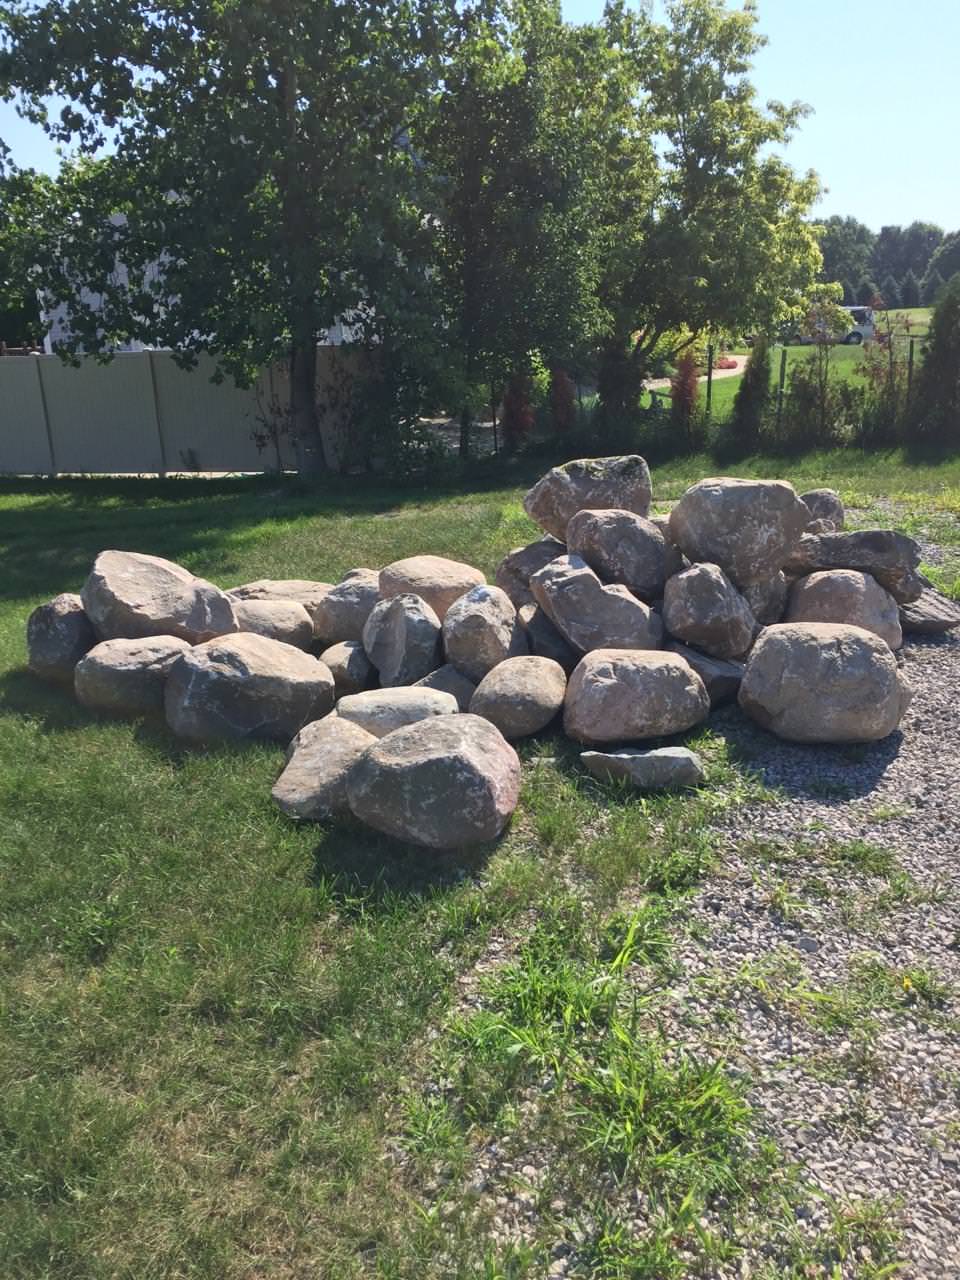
521	695
343	610
543	638
517	566
59	633
662	769
285	620
313	784
350	667
825	504
721	677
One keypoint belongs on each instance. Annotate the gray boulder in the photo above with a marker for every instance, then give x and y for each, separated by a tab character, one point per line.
825	504
480	630
344	609
350	667
590	615
622	547
402	639
702	607
449	680
380	711
285	620
721	677
747	527
442	783
310	594
622	482
521	695
674	559
127	677
823	682
932	614
543	638
767	598
662	769
128	595
517	566
621	695
246	686
892	558
59	633
313	784
434	579
845	595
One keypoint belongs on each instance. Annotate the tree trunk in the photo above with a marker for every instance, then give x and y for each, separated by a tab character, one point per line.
465	433
303	407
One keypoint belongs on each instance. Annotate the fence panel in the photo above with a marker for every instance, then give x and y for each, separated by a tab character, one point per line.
102	417
23	433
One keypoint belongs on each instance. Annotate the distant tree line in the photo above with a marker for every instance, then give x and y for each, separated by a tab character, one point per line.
906	266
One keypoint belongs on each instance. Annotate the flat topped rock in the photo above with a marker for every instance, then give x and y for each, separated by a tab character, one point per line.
621	481
127	677
310	594
434	579
285	620
891	557
129	596
380	711
662	769
931	614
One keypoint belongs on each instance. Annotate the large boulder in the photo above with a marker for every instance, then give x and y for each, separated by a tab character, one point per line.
845	595
402	639
622	482
246	686
344	609
621	695
433	578
313	784
350	667
128	595
443	783
932	614
543	638
518	566
590	615
449	680
620	546
823	682
310	594
675	561
521	695
285	620
661	769
380	711
59	633
825	504
721	676
767	598
480	630
127	677
702	607
891	558
747	527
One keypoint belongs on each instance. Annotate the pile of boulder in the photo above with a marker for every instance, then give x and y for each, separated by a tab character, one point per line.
399	691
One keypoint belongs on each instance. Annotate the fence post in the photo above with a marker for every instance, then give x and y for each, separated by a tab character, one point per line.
709	376
783	378
156	417
46	416
910	367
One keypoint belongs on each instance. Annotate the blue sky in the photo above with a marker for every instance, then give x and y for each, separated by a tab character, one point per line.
881	77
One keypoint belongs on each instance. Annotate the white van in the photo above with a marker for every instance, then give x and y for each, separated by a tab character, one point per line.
861	327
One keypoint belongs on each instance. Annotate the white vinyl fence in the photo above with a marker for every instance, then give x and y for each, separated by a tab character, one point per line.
139	414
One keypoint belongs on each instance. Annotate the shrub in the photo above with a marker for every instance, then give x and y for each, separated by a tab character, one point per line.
752	399
517	419
890	292
866	292
931	288
819	411
562	400
909	291
934	418
684	392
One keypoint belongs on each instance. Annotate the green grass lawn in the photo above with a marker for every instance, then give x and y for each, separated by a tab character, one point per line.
231	1047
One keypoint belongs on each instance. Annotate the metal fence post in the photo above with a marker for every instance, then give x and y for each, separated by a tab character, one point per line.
783	378
156	417
910	367
709	376
46	417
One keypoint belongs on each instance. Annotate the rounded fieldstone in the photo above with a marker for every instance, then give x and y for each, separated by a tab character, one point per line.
127	677
442	783
825	504
449	680
521	695
823	682
128	595
702	607
517	566
480	630
285	620
380	711
344	609
434	579
590	615
246	686
401	638
622	482
543	638
59	633
619	695
350	667
767	598
845	595
620	546
310	594
313	784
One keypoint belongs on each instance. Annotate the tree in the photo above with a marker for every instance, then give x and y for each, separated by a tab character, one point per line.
935	412
909	291
931	288
260	188
697	225
19	309
890	292
898	250
849	296
866	292
945	260
753	397
847	247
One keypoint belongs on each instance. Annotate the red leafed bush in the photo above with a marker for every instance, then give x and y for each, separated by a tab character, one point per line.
517	420
724	362
684	390
562	400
